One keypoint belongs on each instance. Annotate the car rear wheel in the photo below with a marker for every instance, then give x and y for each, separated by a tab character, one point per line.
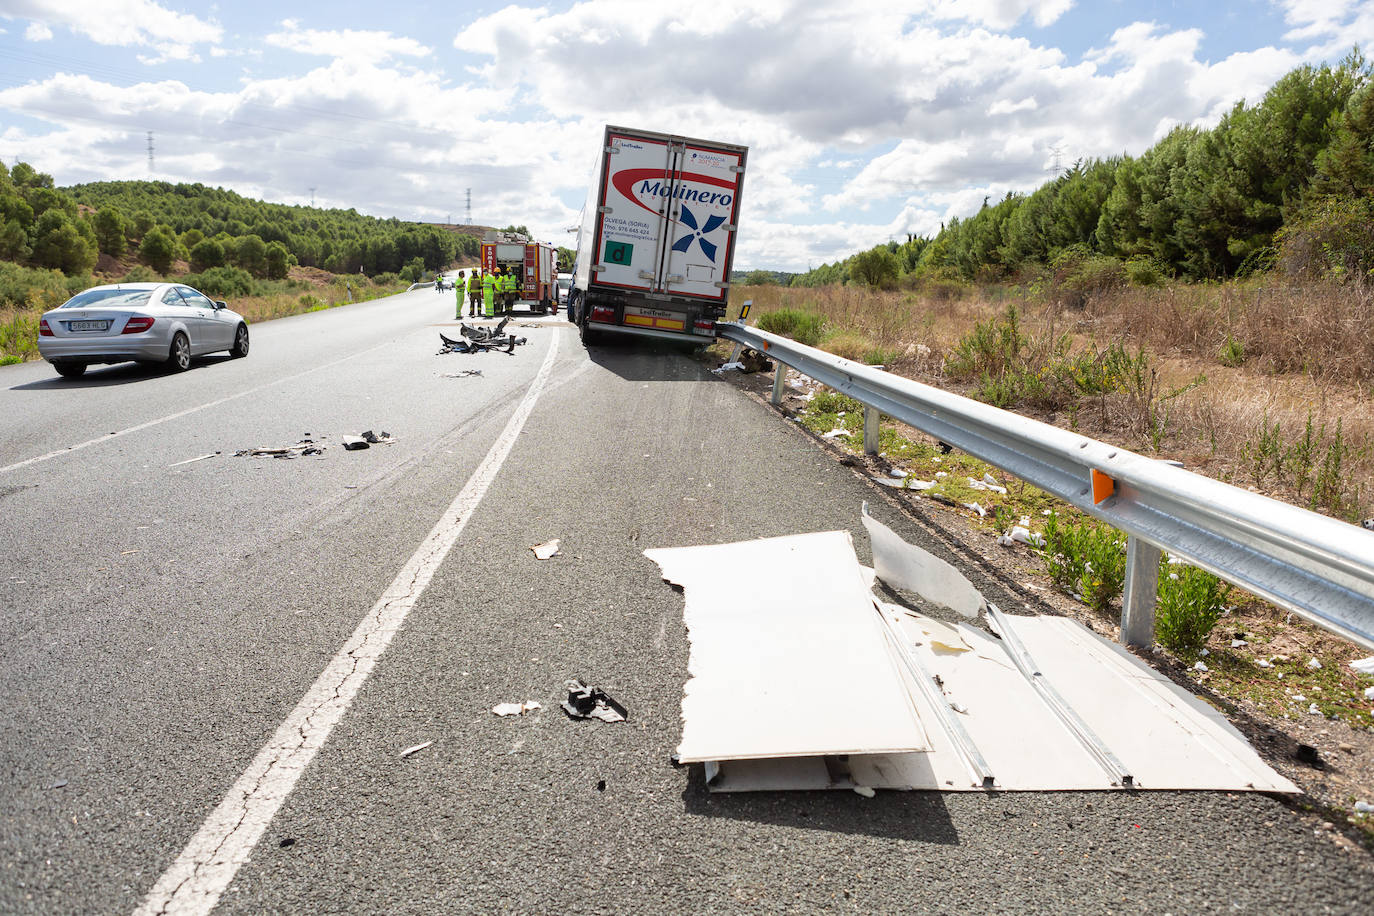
179	357
240	348
70	370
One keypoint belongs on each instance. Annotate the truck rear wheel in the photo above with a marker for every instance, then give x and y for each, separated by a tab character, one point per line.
589	337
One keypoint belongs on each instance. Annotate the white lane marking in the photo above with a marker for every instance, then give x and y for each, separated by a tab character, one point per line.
181	413
194	882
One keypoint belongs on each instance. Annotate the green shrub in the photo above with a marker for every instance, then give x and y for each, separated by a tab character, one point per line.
1085	559
224	282
992	348
37	289
141	273
802	326
1232	352
1189	606
1145	271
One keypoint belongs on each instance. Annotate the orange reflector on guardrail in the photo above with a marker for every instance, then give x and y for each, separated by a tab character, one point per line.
1103	486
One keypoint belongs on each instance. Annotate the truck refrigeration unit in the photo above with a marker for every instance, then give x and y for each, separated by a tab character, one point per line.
534	264
657	236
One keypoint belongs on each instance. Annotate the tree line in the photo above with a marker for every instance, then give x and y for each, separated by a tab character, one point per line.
67	229
1288	182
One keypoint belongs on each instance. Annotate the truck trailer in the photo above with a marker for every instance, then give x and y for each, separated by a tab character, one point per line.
657	237
533	263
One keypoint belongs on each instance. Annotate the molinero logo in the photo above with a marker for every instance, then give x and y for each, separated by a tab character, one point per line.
652	190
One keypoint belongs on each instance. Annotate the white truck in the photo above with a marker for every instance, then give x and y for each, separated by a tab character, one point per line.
657	237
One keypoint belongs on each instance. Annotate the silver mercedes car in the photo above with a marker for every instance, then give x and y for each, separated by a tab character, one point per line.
146	322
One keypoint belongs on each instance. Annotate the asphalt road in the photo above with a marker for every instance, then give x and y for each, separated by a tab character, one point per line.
159	621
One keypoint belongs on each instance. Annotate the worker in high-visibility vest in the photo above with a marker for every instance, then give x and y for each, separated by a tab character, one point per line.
460	292
489	293
474	292
508	299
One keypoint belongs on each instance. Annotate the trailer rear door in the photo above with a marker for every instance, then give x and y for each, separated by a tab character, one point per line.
668	216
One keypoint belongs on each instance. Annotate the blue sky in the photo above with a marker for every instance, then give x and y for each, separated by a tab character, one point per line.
865	120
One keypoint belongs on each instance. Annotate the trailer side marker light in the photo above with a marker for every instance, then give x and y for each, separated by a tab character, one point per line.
1103	486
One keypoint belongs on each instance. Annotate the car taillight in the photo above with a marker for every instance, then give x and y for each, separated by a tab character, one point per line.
704	327
137	324
602	313
43	329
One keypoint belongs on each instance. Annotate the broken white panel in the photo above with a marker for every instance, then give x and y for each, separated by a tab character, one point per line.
1167	738
787	657
904	566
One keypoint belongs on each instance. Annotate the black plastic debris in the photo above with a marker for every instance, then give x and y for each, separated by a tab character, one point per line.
592	703
478	340
301	449
384	438
1307	754
354	443
752	360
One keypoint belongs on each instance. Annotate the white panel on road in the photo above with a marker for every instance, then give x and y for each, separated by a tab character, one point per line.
782	659
787	656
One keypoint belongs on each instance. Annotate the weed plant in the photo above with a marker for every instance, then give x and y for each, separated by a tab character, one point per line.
1190	603
805	327
1085	559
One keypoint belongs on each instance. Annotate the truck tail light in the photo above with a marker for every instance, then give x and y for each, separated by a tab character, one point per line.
704	327
43	329
137	324
602	313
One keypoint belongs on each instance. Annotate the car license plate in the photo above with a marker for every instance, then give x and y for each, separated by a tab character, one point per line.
89	325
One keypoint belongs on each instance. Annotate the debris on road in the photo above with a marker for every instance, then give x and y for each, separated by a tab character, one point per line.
355	443
301	449
726	367
865	791
909	482
515	709
415	750
1039	704
592	703
193	460
752	360
466	373
546	550
1022	534
480	339
61	783
383	438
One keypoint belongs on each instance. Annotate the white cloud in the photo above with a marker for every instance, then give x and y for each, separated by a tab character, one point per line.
356	45
1001	14
37	31
1006	106
170	52
1334	26
116	22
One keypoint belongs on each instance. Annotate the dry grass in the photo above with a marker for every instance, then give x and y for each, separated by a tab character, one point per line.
1306	353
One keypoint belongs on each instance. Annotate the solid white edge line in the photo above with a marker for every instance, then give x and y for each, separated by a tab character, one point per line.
194	882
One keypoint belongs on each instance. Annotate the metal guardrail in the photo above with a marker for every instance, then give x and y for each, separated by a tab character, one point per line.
1315	566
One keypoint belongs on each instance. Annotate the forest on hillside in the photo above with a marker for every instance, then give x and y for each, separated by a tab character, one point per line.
53	238
1285	184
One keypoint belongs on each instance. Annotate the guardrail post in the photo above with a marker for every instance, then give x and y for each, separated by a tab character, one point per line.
1138	600
871	418
779	382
